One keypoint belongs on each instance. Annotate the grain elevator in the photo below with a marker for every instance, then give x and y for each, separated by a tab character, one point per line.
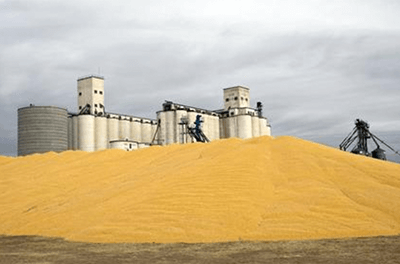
93	127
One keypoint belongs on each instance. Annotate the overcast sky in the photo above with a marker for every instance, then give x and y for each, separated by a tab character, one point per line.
316	65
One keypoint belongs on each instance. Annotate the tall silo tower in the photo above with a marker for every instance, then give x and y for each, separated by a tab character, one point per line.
238	96
91	93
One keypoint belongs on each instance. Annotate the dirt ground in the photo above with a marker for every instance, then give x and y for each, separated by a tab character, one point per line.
26	249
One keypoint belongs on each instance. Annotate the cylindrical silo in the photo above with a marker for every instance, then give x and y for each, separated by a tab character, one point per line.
75	132
86	135
263	124
69	132
113	128
231	126
222	127
191	118
101	133
42	129
265	129
255	123
216	127
205	125
179	134
170	127
162	130
136	130
268	130
146	131
244	126
124	129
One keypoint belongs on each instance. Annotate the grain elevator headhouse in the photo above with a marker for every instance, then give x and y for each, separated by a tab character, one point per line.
91	95
238	96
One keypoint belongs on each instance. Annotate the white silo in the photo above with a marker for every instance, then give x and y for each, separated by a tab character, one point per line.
113	130
265	129
268	130
231	127
205	125
222	127
136	130
101	133
86	135
191	117
255	123
124	129
179	133
170	126
216	127
161	117
146	131
244	126
263	125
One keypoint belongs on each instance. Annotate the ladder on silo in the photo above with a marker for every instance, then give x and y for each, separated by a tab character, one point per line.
195	133
155	133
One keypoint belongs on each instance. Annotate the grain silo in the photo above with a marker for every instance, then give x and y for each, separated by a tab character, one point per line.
124	129
146	131
86	132
42	129
136	130
101	133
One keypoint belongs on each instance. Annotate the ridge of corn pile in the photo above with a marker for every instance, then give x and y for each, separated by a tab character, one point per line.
258	189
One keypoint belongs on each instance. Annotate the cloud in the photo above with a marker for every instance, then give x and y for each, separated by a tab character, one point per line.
316	65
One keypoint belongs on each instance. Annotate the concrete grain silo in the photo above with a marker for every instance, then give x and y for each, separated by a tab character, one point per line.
124	129
86	133
101	133
244	126
42	129
113	129
170	125
255	123
136	130
162	133
179	114
146	131
216	127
